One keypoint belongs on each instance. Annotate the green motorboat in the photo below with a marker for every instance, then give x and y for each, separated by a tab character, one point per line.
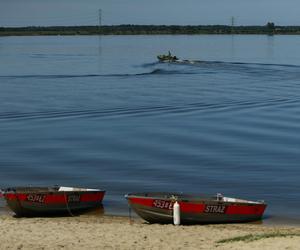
167	58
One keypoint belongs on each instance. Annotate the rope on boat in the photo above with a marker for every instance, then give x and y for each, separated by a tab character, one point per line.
174	198
67	205
17	198
129	214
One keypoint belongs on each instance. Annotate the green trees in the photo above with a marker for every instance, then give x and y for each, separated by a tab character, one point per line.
128	29
271	27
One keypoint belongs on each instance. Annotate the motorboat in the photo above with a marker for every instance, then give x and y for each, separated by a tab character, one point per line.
195	209
167	58
37	201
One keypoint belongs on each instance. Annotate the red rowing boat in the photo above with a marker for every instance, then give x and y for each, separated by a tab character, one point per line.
36	201
158	208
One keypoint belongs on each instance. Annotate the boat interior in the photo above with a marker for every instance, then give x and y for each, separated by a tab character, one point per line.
47	189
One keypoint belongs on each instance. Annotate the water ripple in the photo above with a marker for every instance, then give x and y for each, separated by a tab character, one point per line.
144	110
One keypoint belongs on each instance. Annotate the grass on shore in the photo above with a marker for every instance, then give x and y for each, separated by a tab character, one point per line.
254	237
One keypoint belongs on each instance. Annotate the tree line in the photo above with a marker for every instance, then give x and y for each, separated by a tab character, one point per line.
270	28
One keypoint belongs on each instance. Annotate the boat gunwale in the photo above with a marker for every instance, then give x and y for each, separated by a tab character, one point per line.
190	198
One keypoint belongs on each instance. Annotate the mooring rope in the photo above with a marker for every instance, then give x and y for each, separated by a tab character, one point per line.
67	204
129	214
17	198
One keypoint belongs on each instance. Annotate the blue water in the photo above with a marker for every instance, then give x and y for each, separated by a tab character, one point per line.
101	112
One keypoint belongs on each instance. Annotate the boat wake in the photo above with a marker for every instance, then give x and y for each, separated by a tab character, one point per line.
175	68
152	72
273	71
203	62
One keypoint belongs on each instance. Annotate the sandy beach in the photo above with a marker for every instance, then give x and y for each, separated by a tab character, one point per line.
112	232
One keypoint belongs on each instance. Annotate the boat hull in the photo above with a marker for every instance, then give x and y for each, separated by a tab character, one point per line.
53	203
158	210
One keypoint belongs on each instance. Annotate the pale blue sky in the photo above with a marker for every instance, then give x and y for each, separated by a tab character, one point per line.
85	12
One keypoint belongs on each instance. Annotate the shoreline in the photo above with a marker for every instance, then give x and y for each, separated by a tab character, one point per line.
133	29
267	221
141	34
117	232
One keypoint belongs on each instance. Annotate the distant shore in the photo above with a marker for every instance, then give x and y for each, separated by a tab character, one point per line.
149	30
113	232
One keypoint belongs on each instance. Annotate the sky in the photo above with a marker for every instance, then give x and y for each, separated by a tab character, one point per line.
16	13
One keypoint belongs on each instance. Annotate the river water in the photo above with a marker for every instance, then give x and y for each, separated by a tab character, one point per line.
101	112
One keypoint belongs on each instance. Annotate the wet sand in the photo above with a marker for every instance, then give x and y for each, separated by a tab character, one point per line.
112	232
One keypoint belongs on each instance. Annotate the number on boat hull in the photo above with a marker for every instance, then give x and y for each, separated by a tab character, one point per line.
39	198
163	204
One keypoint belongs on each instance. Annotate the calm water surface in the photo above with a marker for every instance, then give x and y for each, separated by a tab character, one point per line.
101	112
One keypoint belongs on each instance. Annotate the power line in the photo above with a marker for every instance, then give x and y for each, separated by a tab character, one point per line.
232	21
232	24
100	18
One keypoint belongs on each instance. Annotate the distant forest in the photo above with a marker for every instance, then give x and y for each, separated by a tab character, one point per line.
269	29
